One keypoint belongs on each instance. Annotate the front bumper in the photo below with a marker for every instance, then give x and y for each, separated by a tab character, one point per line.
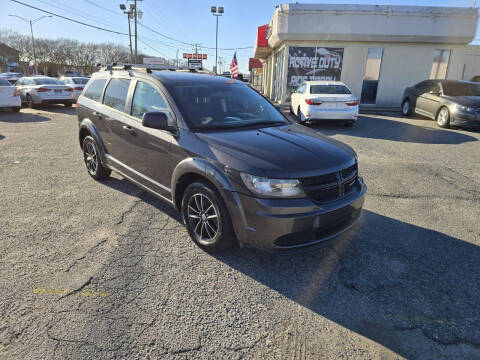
288	224
465	119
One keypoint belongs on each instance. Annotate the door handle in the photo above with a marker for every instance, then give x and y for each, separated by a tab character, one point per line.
128	128
96	115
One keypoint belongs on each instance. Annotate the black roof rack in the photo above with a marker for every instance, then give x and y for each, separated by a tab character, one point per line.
147	68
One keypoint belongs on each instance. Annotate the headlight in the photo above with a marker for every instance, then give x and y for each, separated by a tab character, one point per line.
465	108
272	187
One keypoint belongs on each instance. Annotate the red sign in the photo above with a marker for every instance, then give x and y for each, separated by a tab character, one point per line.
195	56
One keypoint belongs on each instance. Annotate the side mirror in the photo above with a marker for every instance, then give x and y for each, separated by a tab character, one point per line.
156	120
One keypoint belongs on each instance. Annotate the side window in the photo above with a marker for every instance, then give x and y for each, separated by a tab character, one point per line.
433	86
421	86
94	89
147	99
116	93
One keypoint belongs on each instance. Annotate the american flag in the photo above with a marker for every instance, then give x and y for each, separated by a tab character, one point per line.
234	66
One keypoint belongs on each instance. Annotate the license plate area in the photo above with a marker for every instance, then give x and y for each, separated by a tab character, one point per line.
58	91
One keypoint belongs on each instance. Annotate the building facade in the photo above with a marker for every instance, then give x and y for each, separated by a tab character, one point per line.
376	50
8	59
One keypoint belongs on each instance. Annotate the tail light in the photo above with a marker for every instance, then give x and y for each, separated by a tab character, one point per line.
352	103
312	102
68	89
79	88
43	90
16	92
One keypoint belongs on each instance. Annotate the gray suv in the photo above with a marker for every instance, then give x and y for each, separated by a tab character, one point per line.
239	172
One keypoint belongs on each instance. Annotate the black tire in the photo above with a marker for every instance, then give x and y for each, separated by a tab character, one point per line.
443	117
407	109
16	109
348	123
68	104
291	109
299	117
203	201
30	102
92	160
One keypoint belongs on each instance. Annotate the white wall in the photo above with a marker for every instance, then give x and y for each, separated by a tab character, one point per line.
471	62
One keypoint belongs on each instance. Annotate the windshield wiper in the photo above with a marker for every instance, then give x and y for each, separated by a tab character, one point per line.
236	126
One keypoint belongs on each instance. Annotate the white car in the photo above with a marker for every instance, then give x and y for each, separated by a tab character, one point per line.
9	96
43	90
77	83
328	100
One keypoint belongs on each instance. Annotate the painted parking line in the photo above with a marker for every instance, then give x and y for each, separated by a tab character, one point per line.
64	292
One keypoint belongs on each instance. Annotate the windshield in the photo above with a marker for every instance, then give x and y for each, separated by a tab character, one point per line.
80	81
461	89
47	81
213	105
329	89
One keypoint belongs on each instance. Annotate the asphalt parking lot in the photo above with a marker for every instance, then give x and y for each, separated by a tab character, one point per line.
103	270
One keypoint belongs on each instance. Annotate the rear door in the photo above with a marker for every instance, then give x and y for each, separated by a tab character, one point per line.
429	100
147	150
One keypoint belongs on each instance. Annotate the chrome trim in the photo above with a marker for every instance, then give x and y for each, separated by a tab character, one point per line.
109	157
140	184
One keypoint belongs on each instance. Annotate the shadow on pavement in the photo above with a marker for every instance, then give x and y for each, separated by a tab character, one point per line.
387	278
21	117
131	189
2	137
378	127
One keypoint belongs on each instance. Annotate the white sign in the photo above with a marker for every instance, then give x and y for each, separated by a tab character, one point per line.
154	61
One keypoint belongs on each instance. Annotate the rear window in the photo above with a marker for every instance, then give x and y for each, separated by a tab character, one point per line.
329	89
4	82
80	81
95	89
116	93
47	81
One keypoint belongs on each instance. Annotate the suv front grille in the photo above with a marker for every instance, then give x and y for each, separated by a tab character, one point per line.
330	187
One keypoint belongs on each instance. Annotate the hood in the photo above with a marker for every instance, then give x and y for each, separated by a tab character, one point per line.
472	101
290	151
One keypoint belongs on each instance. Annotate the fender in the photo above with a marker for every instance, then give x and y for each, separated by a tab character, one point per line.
223	184
90	127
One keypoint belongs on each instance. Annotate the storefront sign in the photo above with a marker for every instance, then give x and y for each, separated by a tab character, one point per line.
312	63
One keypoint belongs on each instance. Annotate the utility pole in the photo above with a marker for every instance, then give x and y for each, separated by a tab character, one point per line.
129	16
133	7
177	57
213	10
31	22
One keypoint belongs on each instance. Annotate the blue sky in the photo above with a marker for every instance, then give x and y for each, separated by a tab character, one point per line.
186	20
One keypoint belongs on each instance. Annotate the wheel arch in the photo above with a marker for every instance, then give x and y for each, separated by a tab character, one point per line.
87	128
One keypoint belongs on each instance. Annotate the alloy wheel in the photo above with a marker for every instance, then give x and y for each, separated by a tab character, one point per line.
91	159
442	117
406	107
203	218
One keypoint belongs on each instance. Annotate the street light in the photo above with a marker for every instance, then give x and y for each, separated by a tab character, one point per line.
129	16
31	22
213	10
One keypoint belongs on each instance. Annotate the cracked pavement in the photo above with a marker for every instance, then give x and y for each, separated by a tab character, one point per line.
103	270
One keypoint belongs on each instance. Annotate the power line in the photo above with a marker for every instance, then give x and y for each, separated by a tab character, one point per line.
69	19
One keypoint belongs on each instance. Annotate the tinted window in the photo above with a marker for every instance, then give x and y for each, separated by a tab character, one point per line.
433	86
116	93
461	89
218	105
421	85
47	81
94	90
80	81
146	99
4	82
329	89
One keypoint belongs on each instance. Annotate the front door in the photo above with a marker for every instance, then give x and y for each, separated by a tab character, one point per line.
427	102
146	151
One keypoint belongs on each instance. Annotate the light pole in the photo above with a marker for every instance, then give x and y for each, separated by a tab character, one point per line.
129	16
31	22
213	10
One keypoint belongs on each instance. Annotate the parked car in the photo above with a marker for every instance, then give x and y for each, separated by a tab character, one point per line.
476	78
42	90
71	73
76	83
449	102
224	156
324	100
12	77
9	96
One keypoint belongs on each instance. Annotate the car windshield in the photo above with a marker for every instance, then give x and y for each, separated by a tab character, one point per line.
80	81
47	81
214	105
329	89
4	82
461	89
